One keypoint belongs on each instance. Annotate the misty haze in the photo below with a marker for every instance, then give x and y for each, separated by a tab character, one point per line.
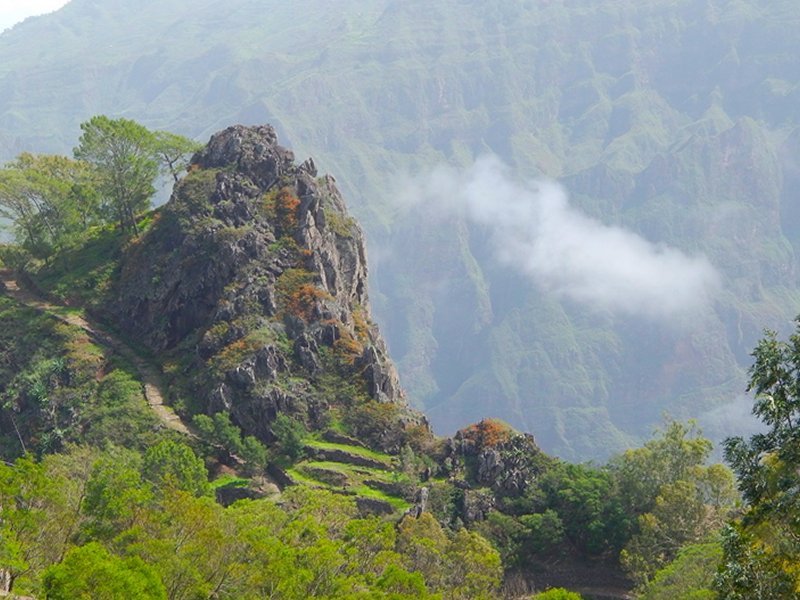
534	229
554	233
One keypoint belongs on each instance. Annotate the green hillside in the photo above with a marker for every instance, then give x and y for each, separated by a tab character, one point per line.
676	119
194	403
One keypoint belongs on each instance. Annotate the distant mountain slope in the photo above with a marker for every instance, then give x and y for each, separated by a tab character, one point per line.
676	119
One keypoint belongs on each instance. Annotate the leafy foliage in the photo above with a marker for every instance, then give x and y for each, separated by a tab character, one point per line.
219	432
173	465
679	500
92	572
638	512
121	151
51	201
761	552
60	388
690	575
290	434
99	524
173	151
752	568
556	594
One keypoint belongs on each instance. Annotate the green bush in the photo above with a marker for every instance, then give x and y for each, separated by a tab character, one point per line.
557	594
290	434
92	572
218	431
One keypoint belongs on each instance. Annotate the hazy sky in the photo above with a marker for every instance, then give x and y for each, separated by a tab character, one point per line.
14	11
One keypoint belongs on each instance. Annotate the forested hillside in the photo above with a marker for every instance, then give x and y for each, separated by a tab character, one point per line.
675	120
194	403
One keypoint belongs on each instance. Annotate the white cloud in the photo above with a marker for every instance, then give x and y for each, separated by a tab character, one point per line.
14	11
534	229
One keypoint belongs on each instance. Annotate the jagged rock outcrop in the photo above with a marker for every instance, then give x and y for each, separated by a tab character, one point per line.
476	505
490	454
255	266
420	504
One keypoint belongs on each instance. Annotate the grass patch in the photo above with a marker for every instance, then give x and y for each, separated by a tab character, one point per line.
368	492
356	476
355	450
302	479
85	272
355	473
229	480
340	224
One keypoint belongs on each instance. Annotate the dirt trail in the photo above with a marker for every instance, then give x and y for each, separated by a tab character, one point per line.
151	380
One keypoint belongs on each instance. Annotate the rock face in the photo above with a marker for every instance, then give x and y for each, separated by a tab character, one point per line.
494	456
255	265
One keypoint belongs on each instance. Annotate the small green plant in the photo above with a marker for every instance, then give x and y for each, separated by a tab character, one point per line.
340	224
218	431
557	594
290	435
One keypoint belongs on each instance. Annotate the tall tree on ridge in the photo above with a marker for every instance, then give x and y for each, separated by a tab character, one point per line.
123	153
174	151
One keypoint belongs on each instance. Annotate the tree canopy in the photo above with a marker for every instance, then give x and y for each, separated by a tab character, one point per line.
113	524
51	199
761	551
125	156
121	152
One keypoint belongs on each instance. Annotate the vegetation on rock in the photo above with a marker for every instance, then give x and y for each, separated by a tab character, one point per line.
299	471
675	119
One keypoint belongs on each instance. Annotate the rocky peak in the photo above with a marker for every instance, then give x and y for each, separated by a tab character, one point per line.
494	455
253	161
255	263
252	151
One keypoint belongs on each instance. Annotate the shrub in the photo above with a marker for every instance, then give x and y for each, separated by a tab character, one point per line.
92	572
281	207
219	431
173	465
290	434
347	348
557	594
297	295
488	433
286	205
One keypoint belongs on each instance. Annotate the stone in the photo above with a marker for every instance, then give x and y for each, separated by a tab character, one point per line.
212	268
420	504
477	505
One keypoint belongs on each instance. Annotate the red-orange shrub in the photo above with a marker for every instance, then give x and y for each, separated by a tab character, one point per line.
286	204
489	432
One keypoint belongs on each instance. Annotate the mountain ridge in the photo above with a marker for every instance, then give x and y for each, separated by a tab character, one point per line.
247	289
600	97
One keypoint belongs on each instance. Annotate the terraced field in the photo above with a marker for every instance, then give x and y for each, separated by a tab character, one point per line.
374	478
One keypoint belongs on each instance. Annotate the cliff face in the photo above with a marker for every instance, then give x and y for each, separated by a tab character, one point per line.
256	268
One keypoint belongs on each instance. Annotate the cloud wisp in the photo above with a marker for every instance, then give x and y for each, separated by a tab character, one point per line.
535	230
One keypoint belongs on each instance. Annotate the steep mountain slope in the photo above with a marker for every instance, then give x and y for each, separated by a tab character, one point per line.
249	289
242	299
675	119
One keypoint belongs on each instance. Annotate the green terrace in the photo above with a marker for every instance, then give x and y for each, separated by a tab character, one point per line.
359	451
353	470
